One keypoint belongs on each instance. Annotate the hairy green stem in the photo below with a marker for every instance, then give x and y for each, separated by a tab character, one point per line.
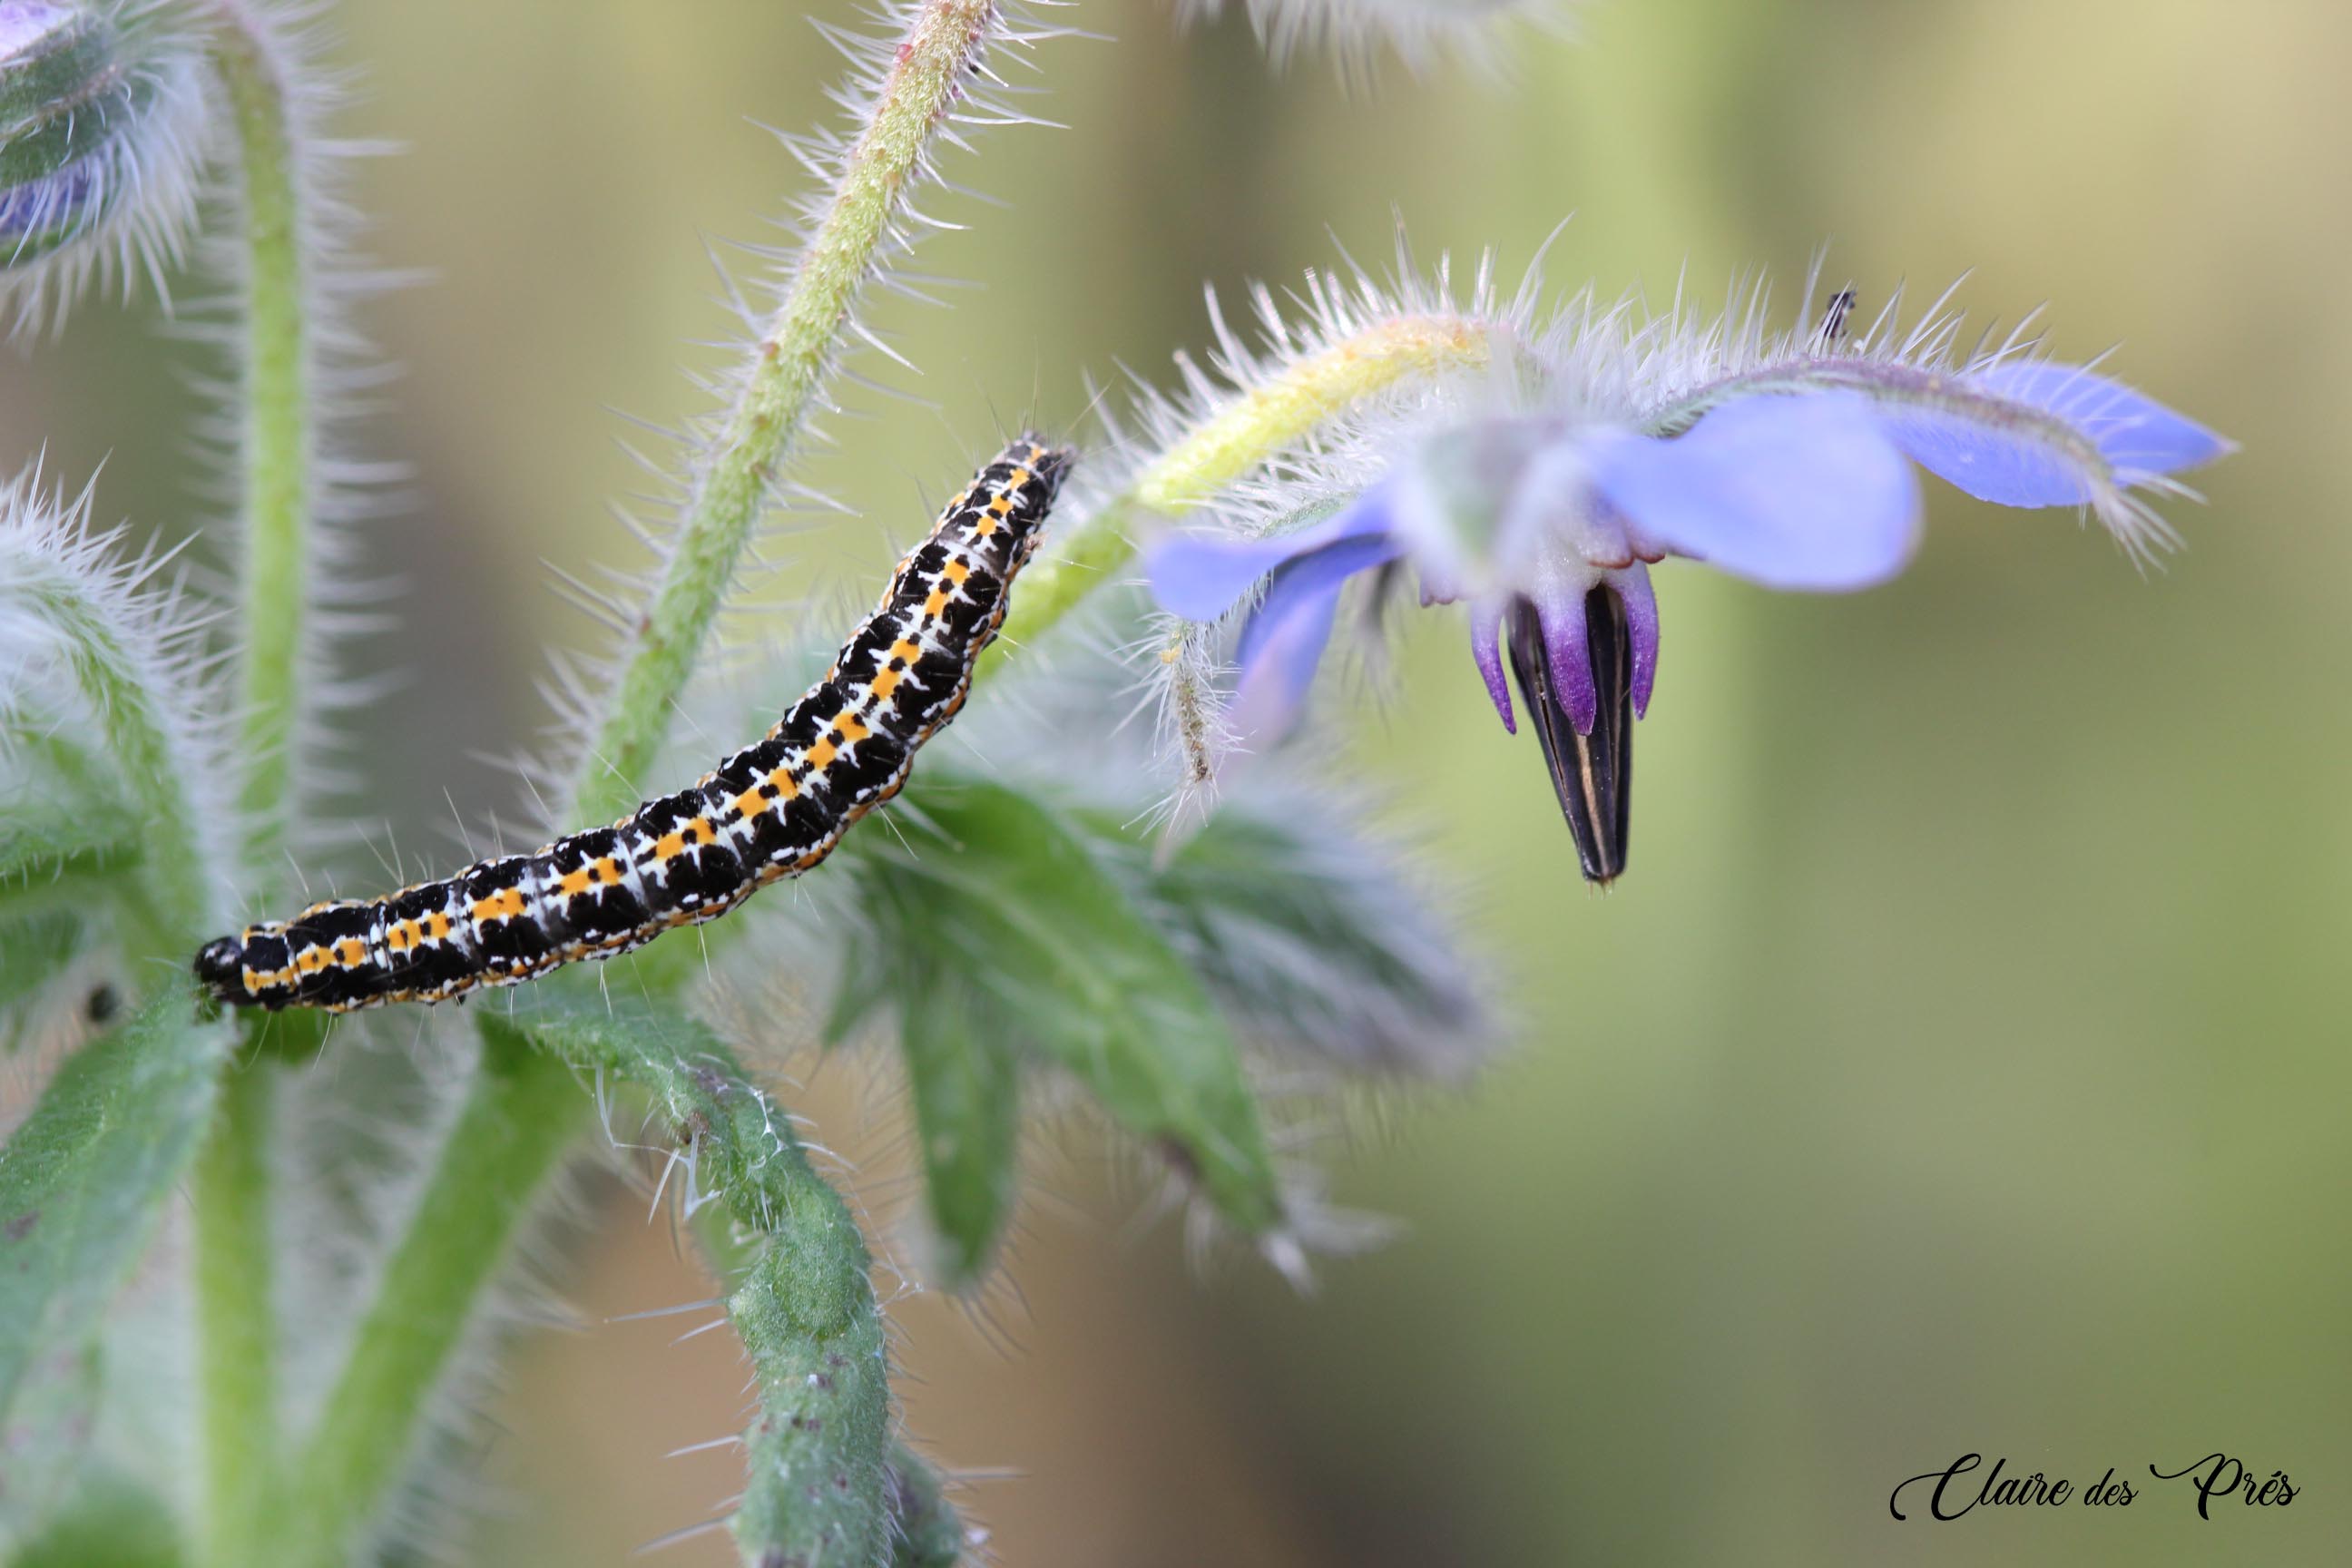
1279	412
276	428
819	1492
237	1319
930	1532
236	1311
522	1114
789	365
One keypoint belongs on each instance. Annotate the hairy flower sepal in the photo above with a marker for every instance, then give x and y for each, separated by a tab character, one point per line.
101	120
64	97
50	55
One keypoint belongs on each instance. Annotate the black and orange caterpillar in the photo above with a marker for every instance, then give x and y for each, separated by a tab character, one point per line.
770	811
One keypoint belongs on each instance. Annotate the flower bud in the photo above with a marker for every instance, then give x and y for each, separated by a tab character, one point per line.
47	54
99	116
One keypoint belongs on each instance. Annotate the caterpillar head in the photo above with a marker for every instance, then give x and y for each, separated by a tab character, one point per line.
1049	464
220	969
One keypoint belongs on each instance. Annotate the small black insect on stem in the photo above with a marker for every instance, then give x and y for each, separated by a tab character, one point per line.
1833	319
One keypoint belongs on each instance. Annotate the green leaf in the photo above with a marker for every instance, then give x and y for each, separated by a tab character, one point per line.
121	641
62	806
110	1522
42	946
1000	893
66	842
819	1487
1306	933
83	1179
966	1080
46	1435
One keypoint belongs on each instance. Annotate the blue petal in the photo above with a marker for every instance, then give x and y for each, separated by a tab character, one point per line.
1993	456
1283	646
1788	491
1486	650
1200	576
2140	437
1284	638
1319	575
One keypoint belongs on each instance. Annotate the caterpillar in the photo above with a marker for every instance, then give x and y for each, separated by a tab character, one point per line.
772	810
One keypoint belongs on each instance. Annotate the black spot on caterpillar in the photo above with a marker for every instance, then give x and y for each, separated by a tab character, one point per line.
770	811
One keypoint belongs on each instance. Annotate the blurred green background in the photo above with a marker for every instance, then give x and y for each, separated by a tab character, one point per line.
1959	1067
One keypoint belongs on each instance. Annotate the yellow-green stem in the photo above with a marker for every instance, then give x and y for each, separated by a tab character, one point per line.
523	1111
236	1322
275	423
236	1308
1280	411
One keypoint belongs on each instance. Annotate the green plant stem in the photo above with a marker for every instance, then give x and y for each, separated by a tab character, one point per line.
928	1532
275	425
789	364
237	1318
819	1491
1279	411
522	1114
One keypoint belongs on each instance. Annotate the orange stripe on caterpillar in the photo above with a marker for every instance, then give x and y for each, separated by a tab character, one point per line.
772	810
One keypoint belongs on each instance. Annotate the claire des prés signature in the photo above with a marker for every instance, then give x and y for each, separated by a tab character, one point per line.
1955	1491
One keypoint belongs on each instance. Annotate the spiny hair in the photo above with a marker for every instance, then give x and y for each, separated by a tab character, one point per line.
342	374
75	596
1356	34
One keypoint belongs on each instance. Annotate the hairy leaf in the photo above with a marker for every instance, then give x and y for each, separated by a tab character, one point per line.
1307	933
47	1434
83	1179
1000	894
66	836
967	1089
42	946
110	1522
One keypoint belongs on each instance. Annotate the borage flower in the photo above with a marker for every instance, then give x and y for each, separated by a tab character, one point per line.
1791	471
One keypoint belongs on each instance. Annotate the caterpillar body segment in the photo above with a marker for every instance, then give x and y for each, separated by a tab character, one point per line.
774	809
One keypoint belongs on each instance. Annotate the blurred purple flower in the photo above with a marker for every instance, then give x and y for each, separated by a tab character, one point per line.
1545	527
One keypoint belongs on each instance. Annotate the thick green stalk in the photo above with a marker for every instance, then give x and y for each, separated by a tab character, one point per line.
820	1491
235	1307
932	64
275	422
522	1114
928	1532
236	1319
1280	411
